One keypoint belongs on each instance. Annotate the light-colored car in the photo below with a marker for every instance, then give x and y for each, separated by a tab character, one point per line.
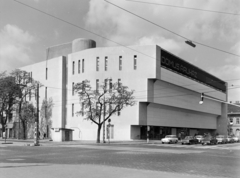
170	139
221	139
236	139
230	139
199	138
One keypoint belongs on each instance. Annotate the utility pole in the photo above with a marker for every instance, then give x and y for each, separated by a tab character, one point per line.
36	142
104	113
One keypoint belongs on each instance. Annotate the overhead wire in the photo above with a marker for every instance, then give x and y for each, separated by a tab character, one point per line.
184	7
171	30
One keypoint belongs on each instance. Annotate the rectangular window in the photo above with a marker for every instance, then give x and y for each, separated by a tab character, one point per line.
46	73
73	89
45	92
97	64
30	93
119	113
231	120
106	63
110	85
72	110
105	84
120	62
135	62
73	67
82	109
79	66
97	85
237	121
83	66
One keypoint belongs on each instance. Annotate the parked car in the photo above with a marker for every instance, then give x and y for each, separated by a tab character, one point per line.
170	139
209	140
230	139
189	140
199	138
221	139
236	139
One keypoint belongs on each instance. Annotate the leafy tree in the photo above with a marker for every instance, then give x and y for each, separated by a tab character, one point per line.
45	115
28	118
9	92
95	102
27	88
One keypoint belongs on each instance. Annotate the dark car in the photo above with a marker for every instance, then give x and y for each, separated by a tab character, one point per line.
189	140
230	139
209	140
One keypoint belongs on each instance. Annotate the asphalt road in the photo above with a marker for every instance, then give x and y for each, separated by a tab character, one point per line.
119	160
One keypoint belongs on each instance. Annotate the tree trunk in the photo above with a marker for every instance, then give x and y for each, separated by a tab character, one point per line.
99	133
24	130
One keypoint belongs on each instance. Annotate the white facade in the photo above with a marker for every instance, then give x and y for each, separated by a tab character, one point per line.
165	99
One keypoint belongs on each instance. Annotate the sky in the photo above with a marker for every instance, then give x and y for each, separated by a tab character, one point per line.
25	33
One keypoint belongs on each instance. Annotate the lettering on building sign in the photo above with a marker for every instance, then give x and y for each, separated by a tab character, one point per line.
177	65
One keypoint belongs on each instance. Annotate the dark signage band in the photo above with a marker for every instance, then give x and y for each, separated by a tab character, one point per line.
175	64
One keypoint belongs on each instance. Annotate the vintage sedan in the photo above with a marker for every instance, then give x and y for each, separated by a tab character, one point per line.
221	139
236	139
189	140
209	140
170	139
230	139
199	138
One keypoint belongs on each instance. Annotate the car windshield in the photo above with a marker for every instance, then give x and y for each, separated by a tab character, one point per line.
220	136
199	136
170	136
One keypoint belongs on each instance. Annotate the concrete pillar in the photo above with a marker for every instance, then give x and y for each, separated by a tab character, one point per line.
222	121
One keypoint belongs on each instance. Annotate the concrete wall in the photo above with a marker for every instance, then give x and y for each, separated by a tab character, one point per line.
161	115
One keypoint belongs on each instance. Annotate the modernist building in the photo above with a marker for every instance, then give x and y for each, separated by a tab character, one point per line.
167	91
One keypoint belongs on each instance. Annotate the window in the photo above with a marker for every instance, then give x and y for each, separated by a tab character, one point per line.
231	120
119	84
105	84
135	62
73	67
97	85
237	120
79	66
97	64
110	131
82	109
83	66
30	93
46	73
106	63
110	85
72	110
45	92
73	89
120	62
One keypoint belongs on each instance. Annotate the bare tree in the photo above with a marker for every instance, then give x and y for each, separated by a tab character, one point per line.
94	102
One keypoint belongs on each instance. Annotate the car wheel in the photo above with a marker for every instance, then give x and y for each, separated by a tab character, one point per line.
202	143
162	142
176	141
182	143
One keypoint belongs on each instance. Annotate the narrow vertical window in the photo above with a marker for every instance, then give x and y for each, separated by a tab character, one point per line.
119	113
30	93
106	63
45	92
119	84
105	84
46	73
73	67
82	109
97	64
72	110
237	121
73	89
79	66
135	62
120	62
83	66
97	85
112	131
110	85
